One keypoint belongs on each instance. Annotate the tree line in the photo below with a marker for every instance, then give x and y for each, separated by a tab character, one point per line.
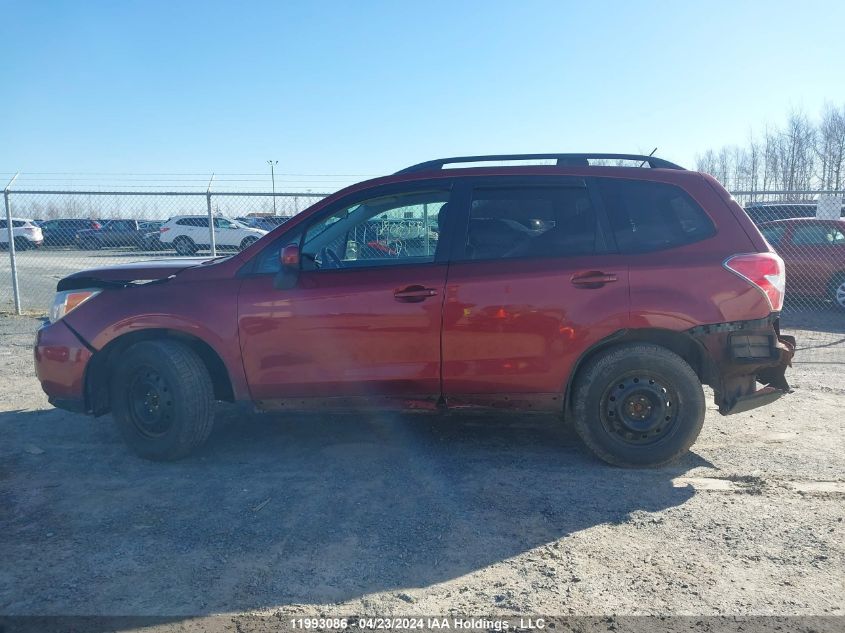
802	155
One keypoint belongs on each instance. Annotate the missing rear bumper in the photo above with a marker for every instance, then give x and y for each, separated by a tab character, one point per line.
759	398
743	354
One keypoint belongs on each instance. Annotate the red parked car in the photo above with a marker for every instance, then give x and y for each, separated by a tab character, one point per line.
605	294
814	253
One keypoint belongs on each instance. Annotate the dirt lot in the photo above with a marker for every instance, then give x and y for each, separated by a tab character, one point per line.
352	514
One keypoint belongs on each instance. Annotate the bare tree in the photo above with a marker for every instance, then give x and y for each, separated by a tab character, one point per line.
830	147
799	156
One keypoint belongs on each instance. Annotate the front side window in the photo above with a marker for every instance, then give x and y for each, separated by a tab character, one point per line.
385	231
512	222
817	236
651	216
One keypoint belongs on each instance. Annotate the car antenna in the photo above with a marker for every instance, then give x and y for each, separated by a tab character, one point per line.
652	154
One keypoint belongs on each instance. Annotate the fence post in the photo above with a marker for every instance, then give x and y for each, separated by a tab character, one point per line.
12	257
212	239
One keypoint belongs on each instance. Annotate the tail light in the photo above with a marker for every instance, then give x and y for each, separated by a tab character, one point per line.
764	270
164	229
96	226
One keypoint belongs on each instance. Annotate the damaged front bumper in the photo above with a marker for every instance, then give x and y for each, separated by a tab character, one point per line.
742	354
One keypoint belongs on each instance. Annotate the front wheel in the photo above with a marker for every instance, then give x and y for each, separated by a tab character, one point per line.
837	291
247	242
162	400
638	405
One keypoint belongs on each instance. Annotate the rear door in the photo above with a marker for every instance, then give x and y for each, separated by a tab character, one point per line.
532	283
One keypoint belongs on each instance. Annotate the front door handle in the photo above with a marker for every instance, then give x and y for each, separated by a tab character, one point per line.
414	294
592	279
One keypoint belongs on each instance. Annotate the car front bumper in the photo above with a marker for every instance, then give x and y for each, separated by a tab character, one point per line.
60	362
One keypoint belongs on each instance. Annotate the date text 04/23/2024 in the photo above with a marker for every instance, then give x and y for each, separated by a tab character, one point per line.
417	623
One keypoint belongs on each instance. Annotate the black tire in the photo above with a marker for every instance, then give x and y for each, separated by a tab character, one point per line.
162	400
837	291
247	242
185	246
638	405
22	244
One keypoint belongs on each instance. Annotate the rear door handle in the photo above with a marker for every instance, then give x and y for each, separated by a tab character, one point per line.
414	294
592	279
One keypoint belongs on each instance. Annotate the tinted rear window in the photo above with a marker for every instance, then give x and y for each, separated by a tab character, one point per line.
652	216
531	222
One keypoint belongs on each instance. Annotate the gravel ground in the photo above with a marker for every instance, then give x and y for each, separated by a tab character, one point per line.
412	514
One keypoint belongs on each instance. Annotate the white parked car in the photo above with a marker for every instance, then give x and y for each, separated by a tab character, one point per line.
25	232
189	233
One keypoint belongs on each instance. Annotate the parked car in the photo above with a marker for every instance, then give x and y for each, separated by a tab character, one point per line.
605	294
189	233
814	253
62	232
24	231
113	233
150	235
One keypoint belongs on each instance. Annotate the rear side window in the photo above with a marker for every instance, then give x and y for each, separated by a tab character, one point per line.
652	216
773	234
530	222
193	222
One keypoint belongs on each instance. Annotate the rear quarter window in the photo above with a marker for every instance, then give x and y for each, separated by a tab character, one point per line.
651	216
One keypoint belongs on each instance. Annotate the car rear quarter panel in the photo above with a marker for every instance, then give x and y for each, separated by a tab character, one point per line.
683	287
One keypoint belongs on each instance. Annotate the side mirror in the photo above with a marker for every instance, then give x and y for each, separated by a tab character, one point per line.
288	274
290	256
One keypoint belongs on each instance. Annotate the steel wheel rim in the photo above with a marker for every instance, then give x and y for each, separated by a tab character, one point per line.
639	408
150	403
840	295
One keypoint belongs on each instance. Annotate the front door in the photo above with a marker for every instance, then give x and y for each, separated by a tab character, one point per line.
363	320
530	286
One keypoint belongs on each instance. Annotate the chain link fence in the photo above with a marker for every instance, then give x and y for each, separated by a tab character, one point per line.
807	230
55	233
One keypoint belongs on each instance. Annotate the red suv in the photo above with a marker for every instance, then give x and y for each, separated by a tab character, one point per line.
605	294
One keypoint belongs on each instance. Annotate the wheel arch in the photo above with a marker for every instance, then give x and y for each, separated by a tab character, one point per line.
681	343
101	363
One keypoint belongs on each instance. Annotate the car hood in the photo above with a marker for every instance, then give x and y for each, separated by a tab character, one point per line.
123	274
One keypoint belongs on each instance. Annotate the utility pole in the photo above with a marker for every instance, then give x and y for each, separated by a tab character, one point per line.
273	164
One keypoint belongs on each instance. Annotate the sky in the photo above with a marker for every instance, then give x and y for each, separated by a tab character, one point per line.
367	87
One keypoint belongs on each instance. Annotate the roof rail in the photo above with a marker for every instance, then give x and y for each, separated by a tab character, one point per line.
563	160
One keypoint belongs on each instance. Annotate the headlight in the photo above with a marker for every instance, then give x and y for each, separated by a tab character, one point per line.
68	300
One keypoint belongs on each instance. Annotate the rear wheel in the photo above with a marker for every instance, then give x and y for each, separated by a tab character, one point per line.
162	400
638	405
185	245
22	244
